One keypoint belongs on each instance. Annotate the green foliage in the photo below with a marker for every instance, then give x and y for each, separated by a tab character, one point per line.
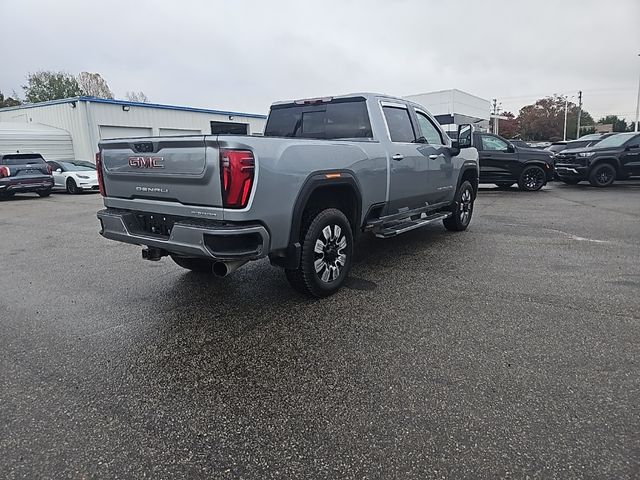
43	86
8	102
619	124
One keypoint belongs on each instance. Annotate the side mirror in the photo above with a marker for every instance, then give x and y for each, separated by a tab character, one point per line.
58	170
511	149
465	136
455	148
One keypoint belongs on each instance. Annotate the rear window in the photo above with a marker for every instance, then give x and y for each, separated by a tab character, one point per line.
343	118
22	159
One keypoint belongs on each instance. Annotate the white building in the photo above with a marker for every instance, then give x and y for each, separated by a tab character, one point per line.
74	126
455	107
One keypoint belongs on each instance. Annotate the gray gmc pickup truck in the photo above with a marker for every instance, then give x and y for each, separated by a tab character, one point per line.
326	170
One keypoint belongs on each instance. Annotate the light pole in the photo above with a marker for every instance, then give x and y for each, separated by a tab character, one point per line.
566	106
635	129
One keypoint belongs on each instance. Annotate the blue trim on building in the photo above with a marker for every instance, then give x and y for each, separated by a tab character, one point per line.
132	104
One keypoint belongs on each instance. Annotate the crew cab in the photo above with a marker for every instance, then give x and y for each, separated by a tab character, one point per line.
24	172
615	157
325	171
504	164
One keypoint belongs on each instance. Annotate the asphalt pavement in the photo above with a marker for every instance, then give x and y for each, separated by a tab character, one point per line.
510	350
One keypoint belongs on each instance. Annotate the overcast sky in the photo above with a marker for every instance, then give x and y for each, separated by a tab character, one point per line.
243	55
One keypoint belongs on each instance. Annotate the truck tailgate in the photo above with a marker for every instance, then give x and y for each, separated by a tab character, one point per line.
174	169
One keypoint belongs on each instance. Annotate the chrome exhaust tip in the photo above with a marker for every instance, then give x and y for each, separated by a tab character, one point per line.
222	269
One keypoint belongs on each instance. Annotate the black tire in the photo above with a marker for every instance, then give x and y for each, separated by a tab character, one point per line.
602	175
571	181
462	208
504	184
72	187
327	251
532	179
44	193
200	265
4	195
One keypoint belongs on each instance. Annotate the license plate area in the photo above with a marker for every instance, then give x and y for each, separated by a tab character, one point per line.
152	224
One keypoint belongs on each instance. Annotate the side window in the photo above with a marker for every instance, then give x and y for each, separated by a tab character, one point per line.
429	130
54	166
493	143
399	123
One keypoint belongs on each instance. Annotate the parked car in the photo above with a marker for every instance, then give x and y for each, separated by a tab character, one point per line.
325	171
584	141
24	172
617	156
504	164
74	176
519	143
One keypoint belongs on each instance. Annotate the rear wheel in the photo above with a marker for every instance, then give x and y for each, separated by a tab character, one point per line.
602	175
201	265
45	193
325	260
72	187
462	208
532	179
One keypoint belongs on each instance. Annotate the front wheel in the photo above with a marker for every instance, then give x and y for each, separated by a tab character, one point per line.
602	175
532	179
72	187
327	250
462	208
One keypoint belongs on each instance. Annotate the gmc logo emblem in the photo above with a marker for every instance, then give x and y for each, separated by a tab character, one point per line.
146	162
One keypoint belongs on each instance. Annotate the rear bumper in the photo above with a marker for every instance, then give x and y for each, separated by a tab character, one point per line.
191	238
25	185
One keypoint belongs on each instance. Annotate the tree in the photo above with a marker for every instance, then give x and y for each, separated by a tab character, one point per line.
508	128
9	101
94	85
44	85
619	124
544	120
137	97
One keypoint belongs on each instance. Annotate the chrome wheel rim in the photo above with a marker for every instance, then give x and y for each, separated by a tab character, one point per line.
466	206
534	179
329	253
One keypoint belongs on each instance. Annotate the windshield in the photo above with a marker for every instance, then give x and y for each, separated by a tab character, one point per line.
77	166
343	118
616	140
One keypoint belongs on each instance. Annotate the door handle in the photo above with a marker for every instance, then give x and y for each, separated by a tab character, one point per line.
433	157
398	156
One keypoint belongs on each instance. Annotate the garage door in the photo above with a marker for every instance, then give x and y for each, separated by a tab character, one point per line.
112	131
179	131
51	143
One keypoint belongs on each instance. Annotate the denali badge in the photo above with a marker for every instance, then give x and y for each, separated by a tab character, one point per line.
146	162
152	189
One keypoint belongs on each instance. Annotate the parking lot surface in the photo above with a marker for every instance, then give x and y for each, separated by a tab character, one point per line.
508	350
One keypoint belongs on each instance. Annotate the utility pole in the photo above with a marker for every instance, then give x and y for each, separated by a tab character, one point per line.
566	105
495	113
579	113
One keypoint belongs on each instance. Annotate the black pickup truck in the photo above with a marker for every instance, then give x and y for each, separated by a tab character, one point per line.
615	157
503	163
24	172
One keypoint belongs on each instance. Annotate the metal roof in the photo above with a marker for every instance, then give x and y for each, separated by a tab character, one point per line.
132	104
